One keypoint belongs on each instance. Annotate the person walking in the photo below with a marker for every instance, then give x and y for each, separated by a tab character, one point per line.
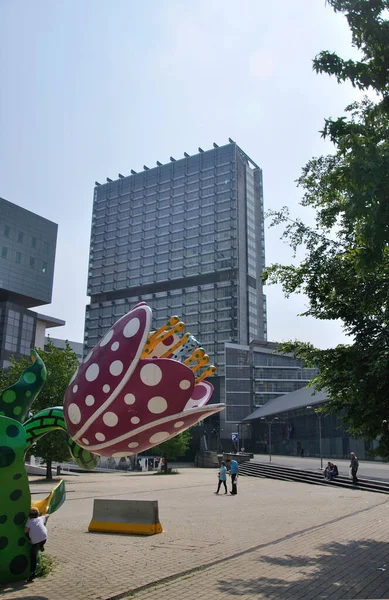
354	467
222	478
234	469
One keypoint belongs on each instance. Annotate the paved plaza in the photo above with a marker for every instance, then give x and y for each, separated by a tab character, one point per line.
274	540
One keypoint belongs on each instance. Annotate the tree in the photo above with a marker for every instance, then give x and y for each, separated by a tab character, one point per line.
173	448
60	365
345	271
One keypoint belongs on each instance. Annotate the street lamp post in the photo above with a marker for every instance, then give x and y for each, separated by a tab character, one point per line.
319	415
269	423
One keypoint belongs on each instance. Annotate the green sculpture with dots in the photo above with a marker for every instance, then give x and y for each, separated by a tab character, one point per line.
17	434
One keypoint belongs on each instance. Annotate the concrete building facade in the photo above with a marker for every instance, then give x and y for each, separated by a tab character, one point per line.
27	255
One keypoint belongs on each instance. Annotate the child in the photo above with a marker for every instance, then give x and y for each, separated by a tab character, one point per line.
222	478
36	529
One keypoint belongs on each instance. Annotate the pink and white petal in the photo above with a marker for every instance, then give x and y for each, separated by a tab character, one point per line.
155	433
158	388
106	370
201	394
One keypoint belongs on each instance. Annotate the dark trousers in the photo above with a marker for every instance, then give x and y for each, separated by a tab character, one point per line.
354	474
35	548
233	484
219	484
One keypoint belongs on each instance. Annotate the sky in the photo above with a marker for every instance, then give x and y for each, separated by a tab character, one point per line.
93	88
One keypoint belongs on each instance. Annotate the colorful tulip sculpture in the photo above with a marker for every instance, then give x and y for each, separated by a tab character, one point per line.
132	392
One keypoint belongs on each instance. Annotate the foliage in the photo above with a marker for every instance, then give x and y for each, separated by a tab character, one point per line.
60	365
46	565
172	448
345	271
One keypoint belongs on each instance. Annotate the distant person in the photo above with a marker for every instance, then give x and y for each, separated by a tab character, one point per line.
354	464
222	478
330	471
302	452
326	470
333	472
234	469
37	532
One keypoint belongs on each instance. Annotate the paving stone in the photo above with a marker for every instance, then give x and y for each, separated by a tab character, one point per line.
274	540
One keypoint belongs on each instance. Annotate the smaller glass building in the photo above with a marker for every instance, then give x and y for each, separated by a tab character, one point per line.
296	427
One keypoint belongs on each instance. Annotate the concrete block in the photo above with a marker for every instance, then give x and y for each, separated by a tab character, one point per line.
137	517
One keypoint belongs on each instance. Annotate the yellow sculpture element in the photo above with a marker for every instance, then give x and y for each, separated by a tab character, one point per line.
195	356
162	334
53	501
202	362
210	371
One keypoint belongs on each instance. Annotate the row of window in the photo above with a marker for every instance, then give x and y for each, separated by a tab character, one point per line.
168	175
174	196
193	200
126	216
20	236
16	328
20	259
281	387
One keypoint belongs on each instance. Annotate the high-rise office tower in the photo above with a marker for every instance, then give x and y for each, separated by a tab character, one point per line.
187	237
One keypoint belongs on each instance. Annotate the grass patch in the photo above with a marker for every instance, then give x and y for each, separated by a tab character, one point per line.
46	565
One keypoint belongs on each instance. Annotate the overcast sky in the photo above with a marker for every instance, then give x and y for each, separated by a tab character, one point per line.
91	88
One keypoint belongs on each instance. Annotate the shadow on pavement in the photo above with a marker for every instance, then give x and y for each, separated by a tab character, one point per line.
22	587
28	597
358	569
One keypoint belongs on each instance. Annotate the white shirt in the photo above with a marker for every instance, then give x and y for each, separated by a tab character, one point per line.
37	530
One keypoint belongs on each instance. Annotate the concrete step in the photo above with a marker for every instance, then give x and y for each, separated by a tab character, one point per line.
257	469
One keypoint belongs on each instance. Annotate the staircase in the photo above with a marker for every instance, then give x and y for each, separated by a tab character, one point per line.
267	470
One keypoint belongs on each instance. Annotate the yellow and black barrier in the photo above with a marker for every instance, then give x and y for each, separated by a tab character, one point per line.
137	517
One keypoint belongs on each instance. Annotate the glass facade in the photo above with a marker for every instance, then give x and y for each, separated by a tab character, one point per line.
172	236
255	374
27	254
298	429
17	331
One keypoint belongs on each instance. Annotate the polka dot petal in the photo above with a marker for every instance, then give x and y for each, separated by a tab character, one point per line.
131	328
107	338
110	419
159	437
151	374
157	405
74	414
92	372
89	400
116	368
129	399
